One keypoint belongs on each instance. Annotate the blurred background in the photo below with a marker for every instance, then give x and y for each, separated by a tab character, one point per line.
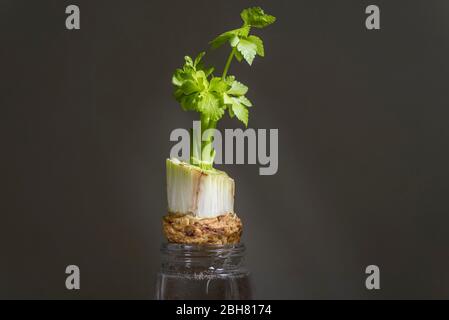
363	145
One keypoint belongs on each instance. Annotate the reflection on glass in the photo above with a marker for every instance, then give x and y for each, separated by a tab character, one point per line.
203	272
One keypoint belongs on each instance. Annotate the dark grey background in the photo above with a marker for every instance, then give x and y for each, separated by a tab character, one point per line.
363	137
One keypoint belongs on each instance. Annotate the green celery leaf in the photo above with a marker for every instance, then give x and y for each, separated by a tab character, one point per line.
227	100
259	44
229	80
209	105
190	102
223	38
189	87
234	41
237	89
240	111
198	58
189	61
201	80
218	85
245	101
177	78
180	76
244	31
248	50
209	71
178	94
256	17
235	108
229	36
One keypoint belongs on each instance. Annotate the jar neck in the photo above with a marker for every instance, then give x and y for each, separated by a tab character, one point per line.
180	258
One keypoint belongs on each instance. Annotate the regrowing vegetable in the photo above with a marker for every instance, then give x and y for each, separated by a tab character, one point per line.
198	89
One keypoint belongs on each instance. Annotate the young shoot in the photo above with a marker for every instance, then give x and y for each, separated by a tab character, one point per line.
198	89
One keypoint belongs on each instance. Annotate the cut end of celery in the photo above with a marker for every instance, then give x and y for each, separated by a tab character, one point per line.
203	193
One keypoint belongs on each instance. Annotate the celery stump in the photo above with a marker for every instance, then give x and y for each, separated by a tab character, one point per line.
198	192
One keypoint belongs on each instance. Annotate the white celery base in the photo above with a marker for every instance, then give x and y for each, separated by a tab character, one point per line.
201	193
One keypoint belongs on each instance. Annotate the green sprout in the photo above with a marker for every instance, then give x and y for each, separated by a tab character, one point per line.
197	89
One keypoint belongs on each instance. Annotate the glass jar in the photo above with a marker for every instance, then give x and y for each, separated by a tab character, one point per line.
203	272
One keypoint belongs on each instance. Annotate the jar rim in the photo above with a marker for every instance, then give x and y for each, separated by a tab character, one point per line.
207	249
202	247
203	259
